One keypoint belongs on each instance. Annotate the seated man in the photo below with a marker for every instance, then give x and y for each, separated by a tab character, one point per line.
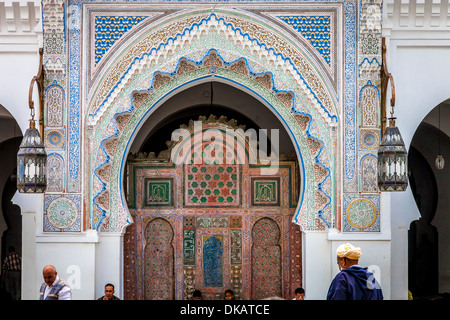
109	293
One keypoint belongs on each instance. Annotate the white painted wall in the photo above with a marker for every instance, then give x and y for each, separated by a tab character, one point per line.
418	51
317	262
109	264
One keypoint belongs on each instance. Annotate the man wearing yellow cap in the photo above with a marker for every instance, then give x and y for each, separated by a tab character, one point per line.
353	282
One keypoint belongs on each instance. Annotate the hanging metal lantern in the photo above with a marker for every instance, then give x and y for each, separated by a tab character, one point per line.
392	161
439	162
31	163
32	158
392	155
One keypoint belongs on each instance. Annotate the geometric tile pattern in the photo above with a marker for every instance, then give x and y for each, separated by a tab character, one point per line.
212	185
55	138
316	29
62	213
361	214
159	262
266	260
158	192
110	29
369	139
213	261
265	191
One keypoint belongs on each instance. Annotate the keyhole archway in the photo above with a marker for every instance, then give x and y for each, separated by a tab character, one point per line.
123	98
311	123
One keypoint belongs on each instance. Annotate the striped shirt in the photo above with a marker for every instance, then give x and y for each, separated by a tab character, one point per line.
12	262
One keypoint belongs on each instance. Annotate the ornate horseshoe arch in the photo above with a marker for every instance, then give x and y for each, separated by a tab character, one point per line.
224	45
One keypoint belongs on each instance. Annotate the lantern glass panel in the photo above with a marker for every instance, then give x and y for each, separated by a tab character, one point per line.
392	162
31	163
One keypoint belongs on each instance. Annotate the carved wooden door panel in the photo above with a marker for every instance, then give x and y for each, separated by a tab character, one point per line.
266	260
158	264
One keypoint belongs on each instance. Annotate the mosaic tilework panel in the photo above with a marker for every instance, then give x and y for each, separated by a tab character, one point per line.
212	185
189	222
236	281
109	29
213	261
368	172
369	139
266	260
54	105
188	282
361	214
236	222
55	172
189	247
296	258
236	246
316	29
62	213
212	254
54	138
159	261
158	192
212	222
129	272
265	191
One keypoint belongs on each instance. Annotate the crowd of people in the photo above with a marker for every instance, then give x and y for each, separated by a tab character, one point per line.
353	282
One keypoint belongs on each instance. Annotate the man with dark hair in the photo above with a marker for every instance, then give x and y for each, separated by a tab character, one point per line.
109	293
353	282
197	295
229	295
299	294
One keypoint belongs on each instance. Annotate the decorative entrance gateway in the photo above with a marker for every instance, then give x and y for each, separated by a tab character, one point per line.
209	215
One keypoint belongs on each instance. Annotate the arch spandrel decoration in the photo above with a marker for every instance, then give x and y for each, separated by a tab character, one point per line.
151	78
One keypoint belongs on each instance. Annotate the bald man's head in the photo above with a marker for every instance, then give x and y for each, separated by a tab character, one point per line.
49	273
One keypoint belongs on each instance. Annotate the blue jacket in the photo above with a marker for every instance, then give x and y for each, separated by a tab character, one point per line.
355	283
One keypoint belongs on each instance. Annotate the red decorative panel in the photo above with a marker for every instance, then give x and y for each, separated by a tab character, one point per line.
129	247
159	261
296	258
212	185
266	260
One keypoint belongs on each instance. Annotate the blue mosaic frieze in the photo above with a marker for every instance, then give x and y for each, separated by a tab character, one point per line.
74	110
316	29
213	262
349	121
109	29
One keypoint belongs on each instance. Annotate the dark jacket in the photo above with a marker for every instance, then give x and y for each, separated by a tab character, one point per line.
355	283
